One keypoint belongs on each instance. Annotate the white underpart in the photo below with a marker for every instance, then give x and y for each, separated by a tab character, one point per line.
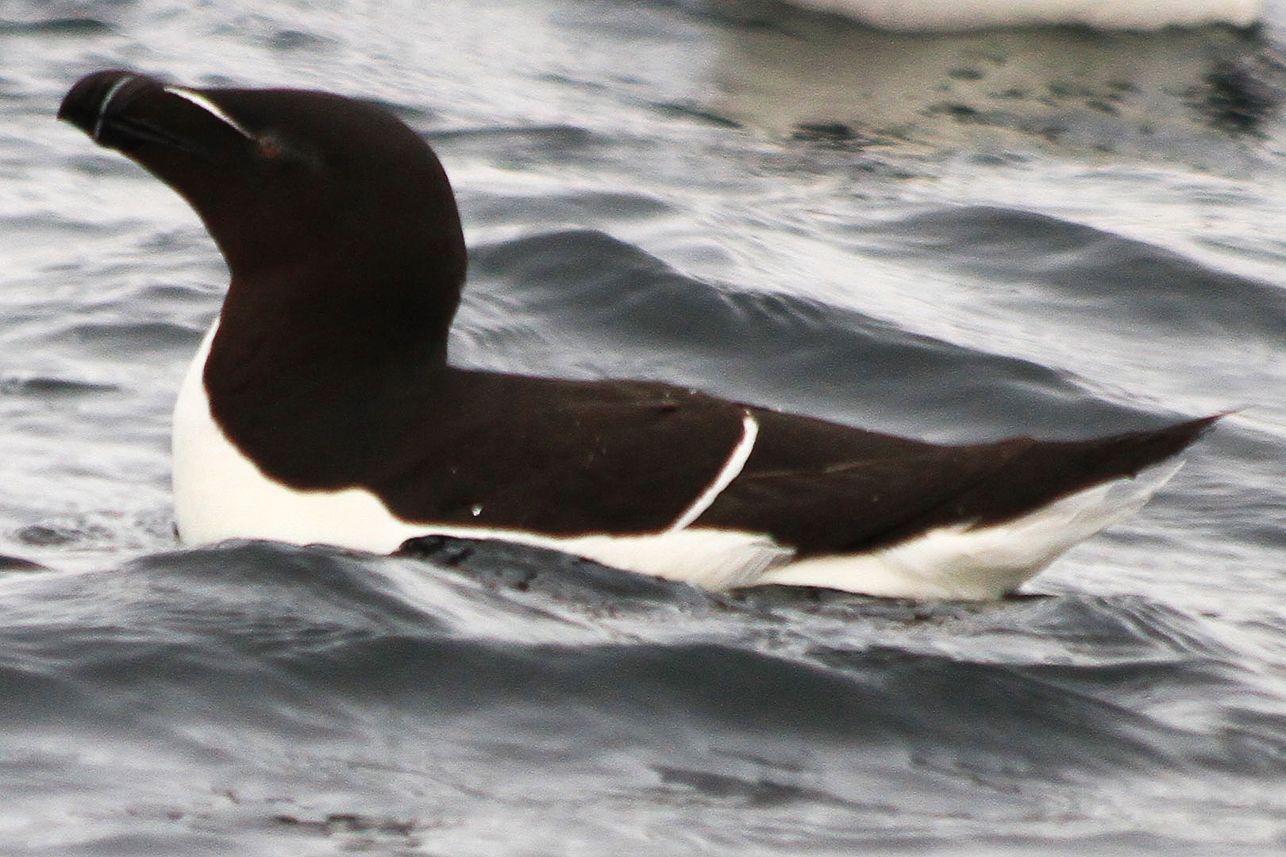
209	107
975	563
220	494
107	100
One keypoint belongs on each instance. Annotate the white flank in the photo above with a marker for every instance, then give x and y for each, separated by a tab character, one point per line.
960	562
209	107
730	471
107	100
220	494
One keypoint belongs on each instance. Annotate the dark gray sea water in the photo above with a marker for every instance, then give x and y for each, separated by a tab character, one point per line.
1052	232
